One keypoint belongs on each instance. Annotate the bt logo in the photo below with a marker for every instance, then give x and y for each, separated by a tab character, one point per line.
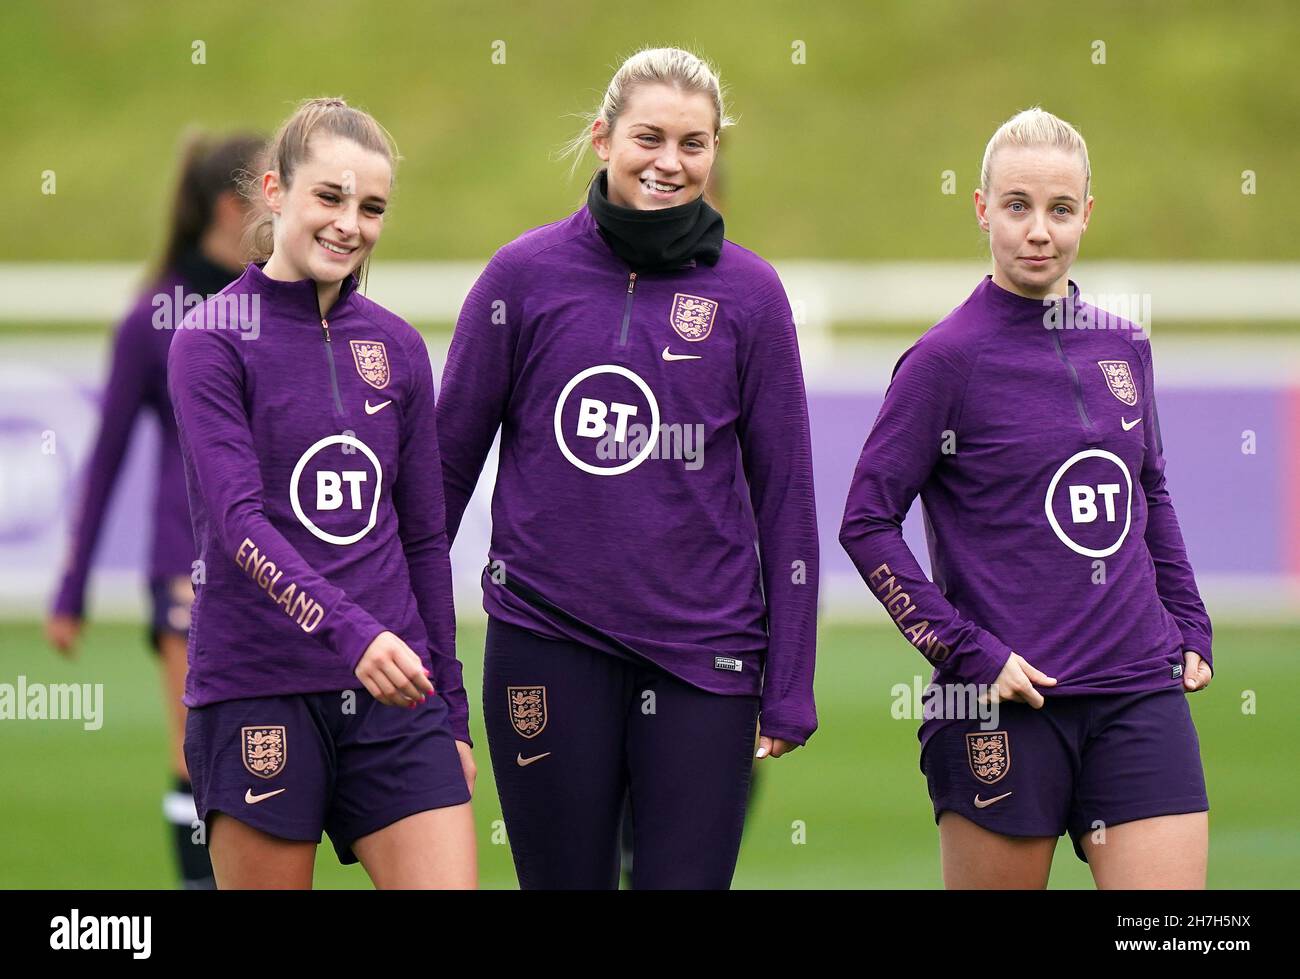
329	496
1097	498
341	491
591	423
592	414
1083	502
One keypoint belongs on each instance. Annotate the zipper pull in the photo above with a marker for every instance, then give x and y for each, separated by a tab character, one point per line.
325	329
631	282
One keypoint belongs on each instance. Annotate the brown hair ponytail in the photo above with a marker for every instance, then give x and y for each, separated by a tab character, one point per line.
209	167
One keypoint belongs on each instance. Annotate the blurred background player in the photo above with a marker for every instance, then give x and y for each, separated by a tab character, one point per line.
634	635
1026	420
324	689
204	251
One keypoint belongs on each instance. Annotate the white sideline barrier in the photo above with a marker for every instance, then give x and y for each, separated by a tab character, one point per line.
831	292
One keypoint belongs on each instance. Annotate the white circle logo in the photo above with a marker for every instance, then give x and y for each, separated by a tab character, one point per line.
591	421
330	492
1084	506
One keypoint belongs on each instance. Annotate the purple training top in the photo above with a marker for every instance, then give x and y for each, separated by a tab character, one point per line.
311	457
632	407
1030	432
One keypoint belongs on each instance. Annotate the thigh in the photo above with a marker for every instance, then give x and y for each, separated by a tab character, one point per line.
171	600
391	763
244	858
171	649
1001	796
556	715
433	849
976	858
690	755
1146	854
1142	761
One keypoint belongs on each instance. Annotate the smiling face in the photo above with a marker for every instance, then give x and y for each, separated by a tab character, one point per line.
662	148
329	217
1035	213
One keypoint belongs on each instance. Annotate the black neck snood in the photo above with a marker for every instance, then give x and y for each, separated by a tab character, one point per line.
656	240
201	274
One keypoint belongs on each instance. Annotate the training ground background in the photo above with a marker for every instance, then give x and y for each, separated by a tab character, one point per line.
860	131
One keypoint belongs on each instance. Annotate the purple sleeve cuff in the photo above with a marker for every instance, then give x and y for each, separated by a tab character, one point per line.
70	599
775	726
352	636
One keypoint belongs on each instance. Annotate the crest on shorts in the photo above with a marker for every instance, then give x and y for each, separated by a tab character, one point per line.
372	362
527	710
264	750
692	316
989	753
1120	380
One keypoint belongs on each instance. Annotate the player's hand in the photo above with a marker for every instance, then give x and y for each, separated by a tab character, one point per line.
1017	680
393	673
467	764
1196	672
776	747
62	632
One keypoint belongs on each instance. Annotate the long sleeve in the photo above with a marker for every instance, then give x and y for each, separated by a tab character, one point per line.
476	383
124	394
422	526
1175	582
777	455
905	445
206	381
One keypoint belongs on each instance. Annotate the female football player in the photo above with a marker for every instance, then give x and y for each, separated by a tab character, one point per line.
645	377
203	252
323	687
1063	600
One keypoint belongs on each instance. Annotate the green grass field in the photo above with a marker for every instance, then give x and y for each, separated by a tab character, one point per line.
849	114
81	809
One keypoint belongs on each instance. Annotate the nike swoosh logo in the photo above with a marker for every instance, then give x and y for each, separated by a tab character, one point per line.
981	803
251	799
668	356
1128	426
522	761
371	409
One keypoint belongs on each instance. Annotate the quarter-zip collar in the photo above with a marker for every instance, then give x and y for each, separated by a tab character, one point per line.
296	298
1021	309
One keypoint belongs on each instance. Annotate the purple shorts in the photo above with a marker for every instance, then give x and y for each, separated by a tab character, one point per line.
171	598
341	762
1076	765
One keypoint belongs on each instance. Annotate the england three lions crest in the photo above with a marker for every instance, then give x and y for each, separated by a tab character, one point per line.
264	750
1120	380
527	710
372	362
692	316
989	753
